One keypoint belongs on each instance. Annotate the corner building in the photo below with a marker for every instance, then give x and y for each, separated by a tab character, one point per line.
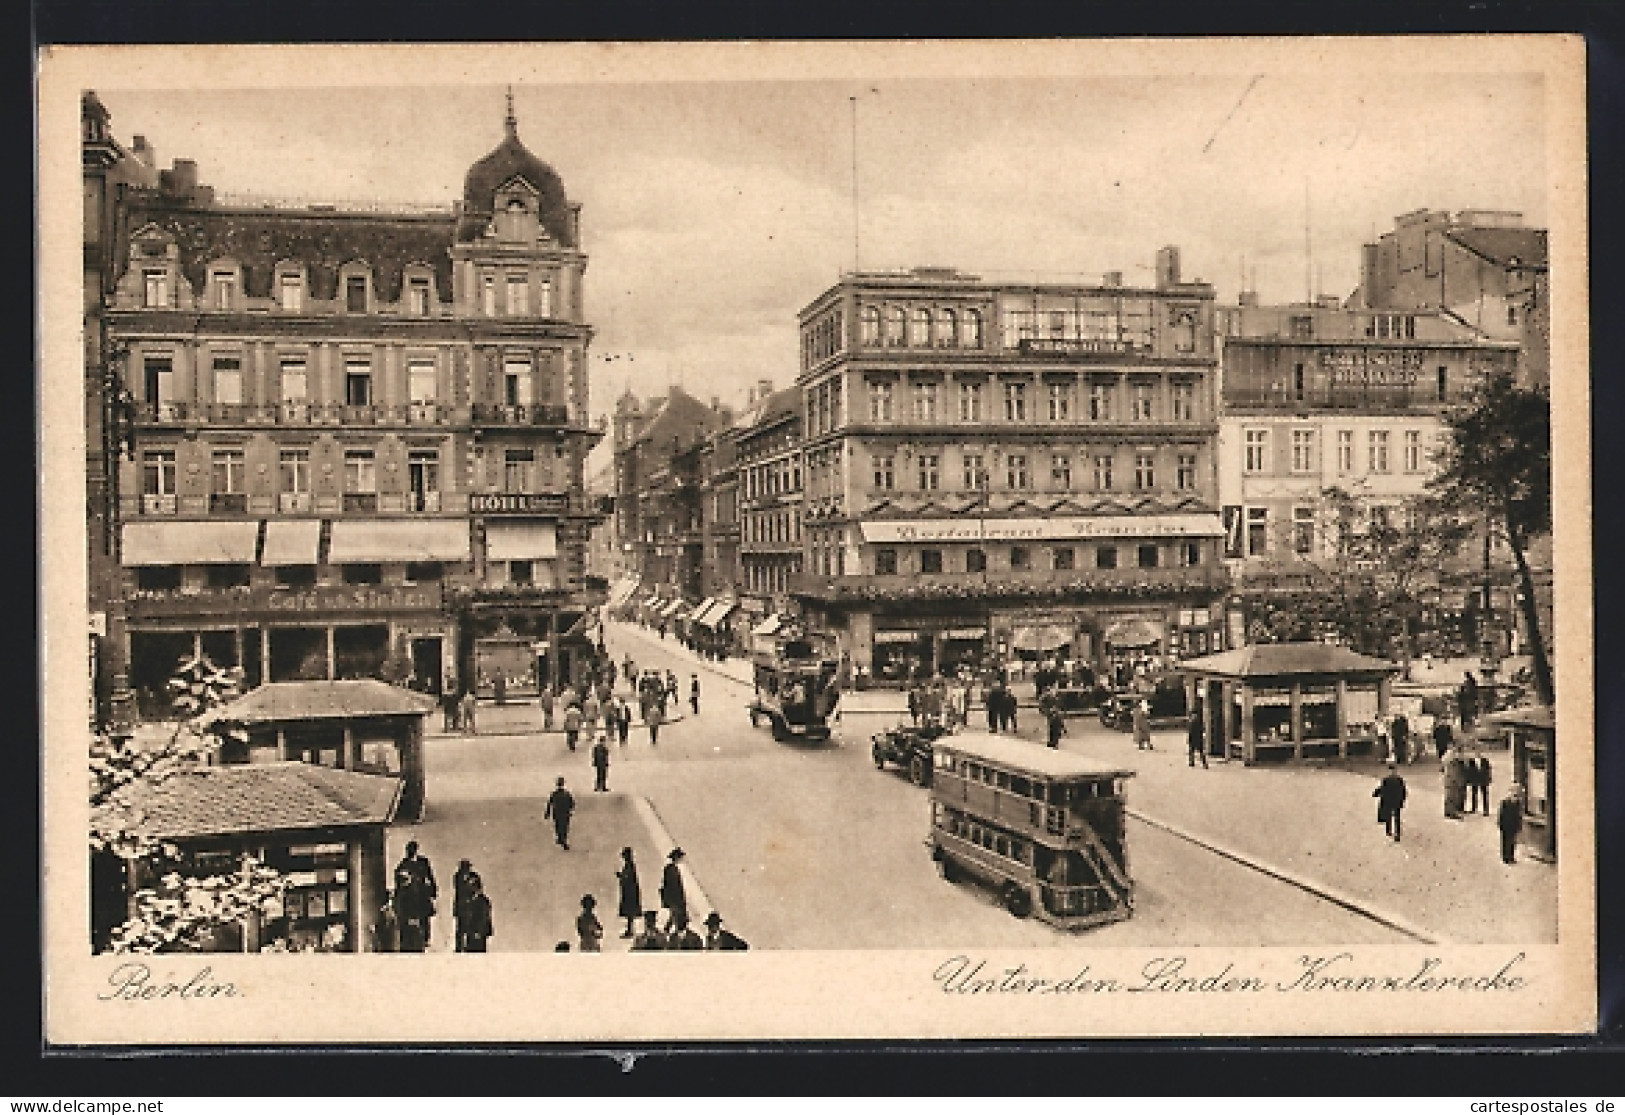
1007	470
358	432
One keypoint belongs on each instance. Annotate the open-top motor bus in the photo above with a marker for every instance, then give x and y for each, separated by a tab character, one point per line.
1044	828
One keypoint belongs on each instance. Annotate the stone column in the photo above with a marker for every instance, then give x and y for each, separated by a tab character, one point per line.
332	655
1297	720
1249	743
1342	718
348	761
265	654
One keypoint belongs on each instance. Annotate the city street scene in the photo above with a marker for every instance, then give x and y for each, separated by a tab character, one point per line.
816	515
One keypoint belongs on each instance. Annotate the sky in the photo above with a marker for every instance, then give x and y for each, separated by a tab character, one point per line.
713	211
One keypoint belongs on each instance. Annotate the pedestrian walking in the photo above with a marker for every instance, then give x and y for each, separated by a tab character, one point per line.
718	939
649	938
469	703
1467	699
630	905
914	704
694	693
572	726
448	709
600	765
462	891
991	703
1475	789
1195	740
1010	706
415	892
1443	737
629	671
1390	795
387	928
670	694
1509	819
623	718
479	928
1486	775
589	713
588	930
1399	731
561	804
673	896
1455	783
545	699
1142	726
499	689
653	716
1056	724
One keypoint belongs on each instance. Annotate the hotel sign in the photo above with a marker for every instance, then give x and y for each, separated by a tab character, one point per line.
503	503
1372	367
1063	527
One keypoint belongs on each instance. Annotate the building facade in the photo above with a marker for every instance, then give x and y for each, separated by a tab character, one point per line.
719	520
358	431
770	492
998	470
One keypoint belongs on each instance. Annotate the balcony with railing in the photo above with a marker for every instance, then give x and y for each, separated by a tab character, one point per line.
159	505
295	503
228	503
360	503
1132	582
538	414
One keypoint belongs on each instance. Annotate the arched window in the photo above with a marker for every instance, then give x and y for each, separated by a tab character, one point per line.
896	325
922	328
947	329
971	333
871	325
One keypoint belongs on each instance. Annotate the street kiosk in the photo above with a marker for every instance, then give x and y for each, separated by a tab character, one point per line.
1531	735
1269	702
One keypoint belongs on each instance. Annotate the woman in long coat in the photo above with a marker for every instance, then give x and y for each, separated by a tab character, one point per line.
630	906
1455	783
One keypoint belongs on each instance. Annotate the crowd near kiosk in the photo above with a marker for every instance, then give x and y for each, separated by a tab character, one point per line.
1270	702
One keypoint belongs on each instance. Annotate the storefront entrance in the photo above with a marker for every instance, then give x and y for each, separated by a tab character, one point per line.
427	658
298	653
155	656
360	652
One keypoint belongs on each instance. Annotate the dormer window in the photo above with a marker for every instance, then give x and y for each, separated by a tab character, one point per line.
518	287
223	284
417	295
355	294
155	289
290	291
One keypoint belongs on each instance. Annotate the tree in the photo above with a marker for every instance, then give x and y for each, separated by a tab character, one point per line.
181	912
1498	463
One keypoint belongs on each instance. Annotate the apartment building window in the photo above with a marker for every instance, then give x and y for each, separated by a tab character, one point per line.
1303	450
518	296
1257	446
1015	402
417	296
896	326
290	291
1345	451
488	295
235	575
517	376
925	402
1100	401
296	576
1063	557
884	476
1060	402
422	384
975	561
295	468
930	561
230	472
295	382
975	473
869	326
930	476
970	402
1185	472
158	380
423	479
1185	331
424	572
1303	531
156	290
1105	557
1060	472
355	294
1016	471
1143	400
1413	451
517	465
1103	472
1190	553
947	329
357	382
363	573
1377	451
1257	530
1303	327
225	289
1145	471
886	562
228	381
1146	555
158	473
1021	557
1184	402
544	300
360	472
1443	382
880	395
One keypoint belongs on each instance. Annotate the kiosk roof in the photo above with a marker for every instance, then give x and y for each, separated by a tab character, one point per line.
1263	660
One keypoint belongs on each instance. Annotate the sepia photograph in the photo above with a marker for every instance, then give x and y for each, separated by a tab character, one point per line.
983	529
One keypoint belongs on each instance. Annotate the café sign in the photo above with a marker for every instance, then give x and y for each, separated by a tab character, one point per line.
288	601
506	503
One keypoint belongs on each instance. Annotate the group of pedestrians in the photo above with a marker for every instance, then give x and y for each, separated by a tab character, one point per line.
1463	774
643	927
405	922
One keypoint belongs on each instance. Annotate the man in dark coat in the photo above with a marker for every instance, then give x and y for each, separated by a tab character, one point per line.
990	697
1467	700
1399	731
649	938
600	766
1443	737
718	939
479	928
1056	724
673	896
694	693
1390	795
462	890
415	892
1194	740
560	805
630	906
1509	819
1486	775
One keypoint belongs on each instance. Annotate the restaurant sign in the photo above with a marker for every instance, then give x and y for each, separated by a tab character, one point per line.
505	503
1061	527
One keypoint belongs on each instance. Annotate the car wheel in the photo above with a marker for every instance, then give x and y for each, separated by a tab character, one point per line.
781	731
1017	901
916	771
880	759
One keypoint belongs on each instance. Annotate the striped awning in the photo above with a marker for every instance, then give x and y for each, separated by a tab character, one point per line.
231	543
291	542
399	540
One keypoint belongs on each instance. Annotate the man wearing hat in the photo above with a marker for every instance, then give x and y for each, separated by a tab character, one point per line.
600	764
462	893
672	895
560	805
649	938
718	939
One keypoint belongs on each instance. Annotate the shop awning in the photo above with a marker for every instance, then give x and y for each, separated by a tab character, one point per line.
1133	633
399	540
291	542
769	626
670	609
701	608
190	543
715	614
622	592
1040	637
521	541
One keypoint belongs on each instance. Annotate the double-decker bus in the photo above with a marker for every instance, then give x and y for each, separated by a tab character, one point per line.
1045	828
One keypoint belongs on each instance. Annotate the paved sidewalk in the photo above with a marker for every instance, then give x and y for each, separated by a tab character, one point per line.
526	719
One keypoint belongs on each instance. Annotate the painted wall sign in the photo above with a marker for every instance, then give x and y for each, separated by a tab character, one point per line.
505	503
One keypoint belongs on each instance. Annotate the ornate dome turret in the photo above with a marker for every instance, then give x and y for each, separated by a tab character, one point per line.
511	160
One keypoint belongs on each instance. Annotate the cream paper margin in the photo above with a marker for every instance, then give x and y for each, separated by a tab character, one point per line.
762	994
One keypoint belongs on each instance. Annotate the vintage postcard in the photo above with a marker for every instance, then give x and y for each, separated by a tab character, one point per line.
1053	539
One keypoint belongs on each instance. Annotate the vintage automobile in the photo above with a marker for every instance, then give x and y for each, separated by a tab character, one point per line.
1168	705
796	691
909	747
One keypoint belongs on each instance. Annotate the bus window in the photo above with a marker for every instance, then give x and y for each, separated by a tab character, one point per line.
1057	793
1002	780
1001	845
1021	786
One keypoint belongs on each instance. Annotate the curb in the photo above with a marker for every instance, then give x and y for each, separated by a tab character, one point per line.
698	900
1291	878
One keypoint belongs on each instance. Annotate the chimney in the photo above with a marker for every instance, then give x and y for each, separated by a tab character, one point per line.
1112	278
764	388
143	151
1249	298
1167	267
